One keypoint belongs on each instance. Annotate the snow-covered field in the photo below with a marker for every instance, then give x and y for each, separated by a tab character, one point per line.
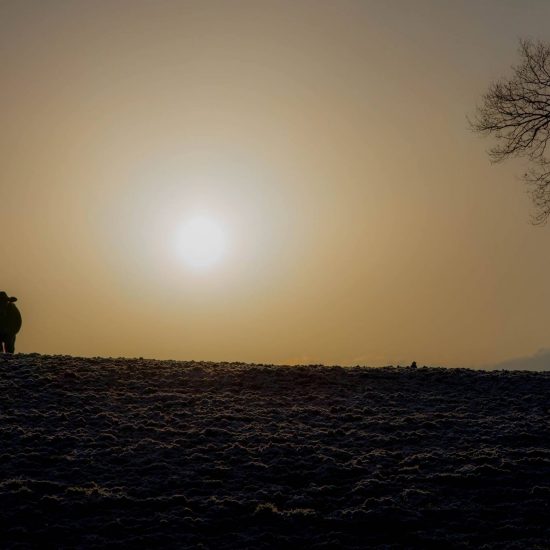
165	454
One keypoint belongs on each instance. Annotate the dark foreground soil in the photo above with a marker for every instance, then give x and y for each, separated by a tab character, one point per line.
162	454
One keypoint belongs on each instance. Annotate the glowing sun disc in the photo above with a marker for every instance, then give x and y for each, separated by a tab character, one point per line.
201	242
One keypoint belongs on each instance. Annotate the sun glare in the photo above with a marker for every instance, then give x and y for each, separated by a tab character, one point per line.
201	242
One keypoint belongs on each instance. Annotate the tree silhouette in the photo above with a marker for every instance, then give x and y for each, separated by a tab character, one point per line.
516	112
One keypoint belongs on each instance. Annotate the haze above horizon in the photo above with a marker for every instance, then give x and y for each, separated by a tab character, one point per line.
266	181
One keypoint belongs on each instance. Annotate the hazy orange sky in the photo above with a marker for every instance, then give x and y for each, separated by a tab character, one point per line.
329	141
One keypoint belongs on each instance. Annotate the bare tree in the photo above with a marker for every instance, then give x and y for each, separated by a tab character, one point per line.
516	112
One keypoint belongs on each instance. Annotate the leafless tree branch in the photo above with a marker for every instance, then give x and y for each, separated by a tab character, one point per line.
516	112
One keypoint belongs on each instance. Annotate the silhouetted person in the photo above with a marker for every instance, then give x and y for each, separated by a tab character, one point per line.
413	365
10	322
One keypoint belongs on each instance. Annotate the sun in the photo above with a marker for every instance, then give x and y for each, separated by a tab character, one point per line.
201	241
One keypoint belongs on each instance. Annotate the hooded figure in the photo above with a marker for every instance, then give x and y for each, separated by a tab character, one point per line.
10	322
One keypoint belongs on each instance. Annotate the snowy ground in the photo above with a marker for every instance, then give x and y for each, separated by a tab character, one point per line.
164	454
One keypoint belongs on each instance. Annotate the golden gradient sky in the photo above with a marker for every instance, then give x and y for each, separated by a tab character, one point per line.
365	223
